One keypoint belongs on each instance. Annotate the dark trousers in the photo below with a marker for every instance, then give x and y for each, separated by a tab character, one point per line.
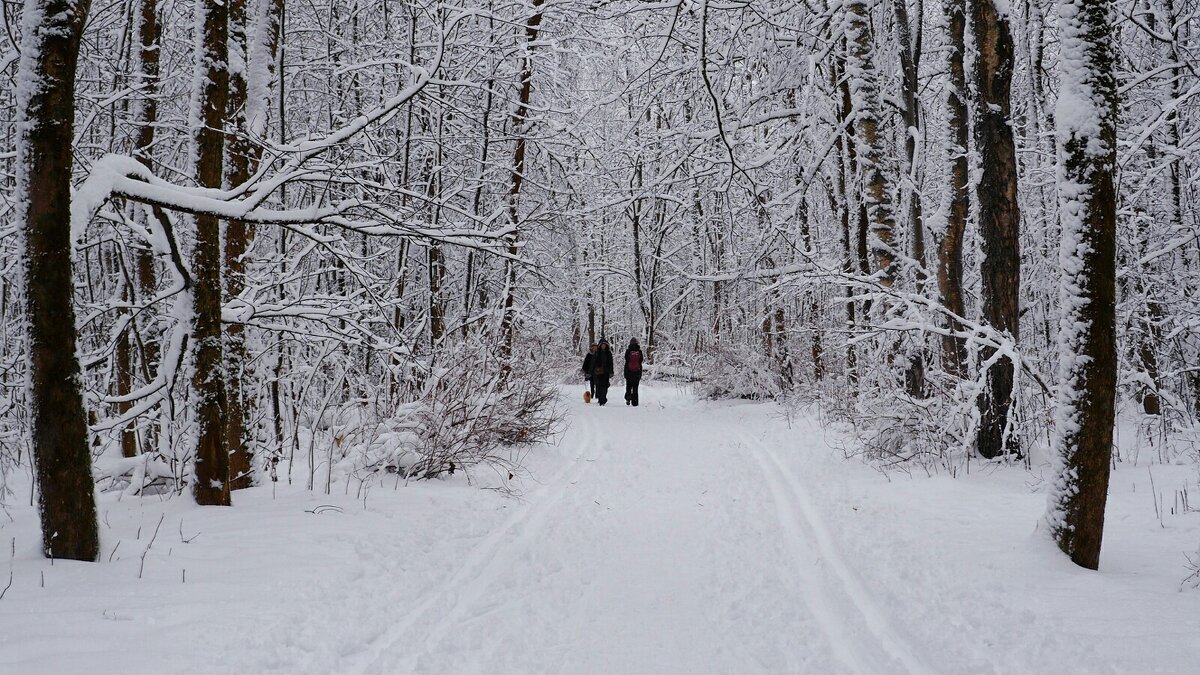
592	386
632	380
601	385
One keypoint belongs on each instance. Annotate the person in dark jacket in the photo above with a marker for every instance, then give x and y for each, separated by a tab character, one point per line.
633	371
602	370
587	368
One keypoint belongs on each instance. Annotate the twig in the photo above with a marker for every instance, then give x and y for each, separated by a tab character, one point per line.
142	565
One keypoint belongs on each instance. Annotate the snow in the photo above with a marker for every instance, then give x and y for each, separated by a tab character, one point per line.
676	537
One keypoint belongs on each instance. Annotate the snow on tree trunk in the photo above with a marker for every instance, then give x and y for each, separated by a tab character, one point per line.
149	40
147	33
249	85
950	246
909	45
520	126
845	159
864	93
212	456
238	236
1087	143
51	32
999	219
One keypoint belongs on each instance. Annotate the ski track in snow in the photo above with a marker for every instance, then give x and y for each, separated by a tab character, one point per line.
668	557
564	584
839	599
680	537
487	562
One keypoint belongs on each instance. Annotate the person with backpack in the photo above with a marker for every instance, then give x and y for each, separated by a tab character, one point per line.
587	370
633	371
602	370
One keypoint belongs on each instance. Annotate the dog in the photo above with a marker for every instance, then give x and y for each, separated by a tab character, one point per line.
587	397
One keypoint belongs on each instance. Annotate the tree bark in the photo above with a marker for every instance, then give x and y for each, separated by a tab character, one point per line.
817	351
148	33
950	253
864	92
1087	142
910	64
238	235
45	120
243	157
845	155
999	220
212	456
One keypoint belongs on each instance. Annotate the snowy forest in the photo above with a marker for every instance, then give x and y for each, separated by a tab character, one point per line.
259	247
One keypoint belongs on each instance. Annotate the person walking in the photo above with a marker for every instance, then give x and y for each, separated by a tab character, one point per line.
602	370
587	370
633	371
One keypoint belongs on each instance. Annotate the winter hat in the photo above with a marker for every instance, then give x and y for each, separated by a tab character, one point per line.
633	342
603	342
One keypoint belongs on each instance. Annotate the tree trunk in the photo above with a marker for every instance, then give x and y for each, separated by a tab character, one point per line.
864	93
436	258
845	152
520	125
814	311
150	39
212	456
243	157
148	35
910	64
999	219
45	120
123	385
1087	141
591	318
477	200
238	235
950	247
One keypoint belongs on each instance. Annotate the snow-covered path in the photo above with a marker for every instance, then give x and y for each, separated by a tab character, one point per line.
677	537
656	548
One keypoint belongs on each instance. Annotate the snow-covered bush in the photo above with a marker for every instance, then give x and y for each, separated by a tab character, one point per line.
456	411
737	371
935	431
468	415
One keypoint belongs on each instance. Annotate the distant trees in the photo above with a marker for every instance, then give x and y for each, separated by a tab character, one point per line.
393	203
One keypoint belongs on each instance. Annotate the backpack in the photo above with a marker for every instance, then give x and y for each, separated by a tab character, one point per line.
634	364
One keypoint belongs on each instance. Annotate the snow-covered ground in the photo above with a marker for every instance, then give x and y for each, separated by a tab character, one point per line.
677	537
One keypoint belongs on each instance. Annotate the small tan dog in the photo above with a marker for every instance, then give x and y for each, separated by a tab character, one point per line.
587	397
